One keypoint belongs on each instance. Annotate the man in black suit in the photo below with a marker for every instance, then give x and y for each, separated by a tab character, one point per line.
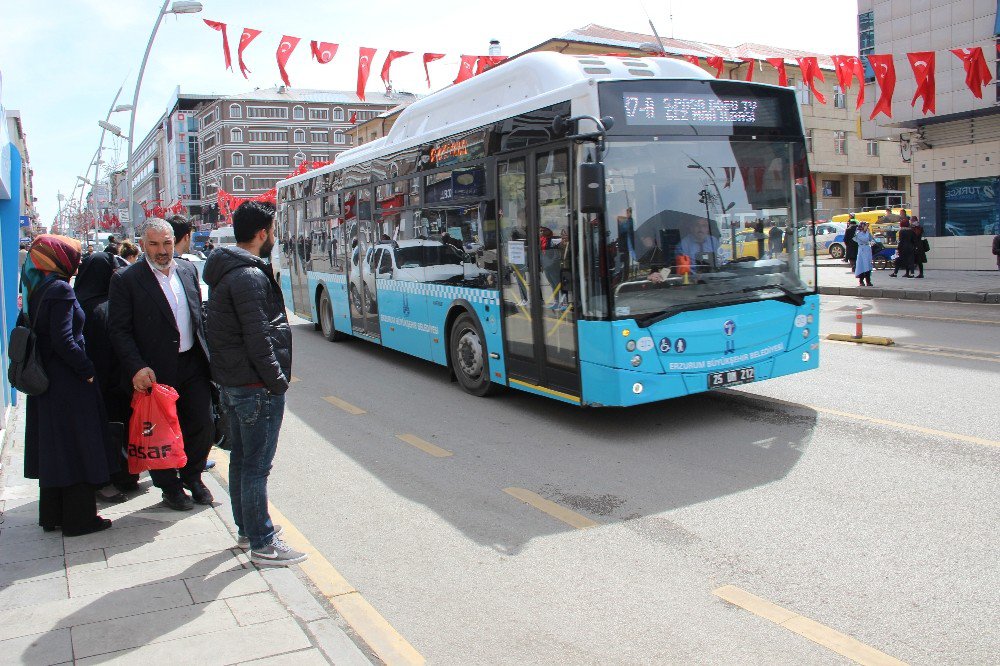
155	314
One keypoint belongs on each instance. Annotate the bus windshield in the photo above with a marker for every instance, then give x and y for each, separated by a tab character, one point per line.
710	221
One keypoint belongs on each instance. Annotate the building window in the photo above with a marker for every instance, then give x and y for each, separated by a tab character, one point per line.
860	187
267	112
802	91
872	148
840	142
298	113
300	136
235	111
209	119
236	135
319	136
866	42
237	159
890	182
338	113
263	183
269	160
319	114
338	137
263	136
321	158
809	140
831	188
239	184
839	98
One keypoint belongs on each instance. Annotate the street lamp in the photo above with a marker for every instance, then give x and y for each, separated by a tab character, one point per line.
121	107
111	127
179	7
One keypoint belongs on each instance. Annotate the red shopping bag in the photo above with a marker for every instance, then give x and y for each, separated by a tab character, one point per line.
154	434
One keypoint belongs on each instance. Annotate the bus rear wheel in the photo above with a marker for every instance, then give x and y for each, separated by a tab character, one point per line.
326	319
469	358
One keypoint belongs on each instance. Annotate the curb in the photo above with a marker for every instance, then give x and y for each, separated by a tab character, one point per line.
863	340
914	295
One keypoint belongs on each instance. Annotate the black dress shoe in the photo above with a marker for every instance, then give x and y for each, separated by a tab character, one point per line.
177	500
98	525
200	493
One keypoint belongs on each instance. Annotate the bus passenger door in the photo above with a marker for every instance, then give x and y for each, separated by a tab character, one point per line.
361	270
298	250
536	228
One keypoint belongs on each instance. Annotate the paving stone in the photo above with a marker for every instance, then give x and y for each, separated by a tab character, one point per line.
53	647
219	648
13	551
156	627
29	570
147	532
294	594
336	644
23	503
66	612
178	568
970	297
26	532
256	608
86	560
10	491
226	584
167	548
35	592
918	295
21	516
301	658
946	296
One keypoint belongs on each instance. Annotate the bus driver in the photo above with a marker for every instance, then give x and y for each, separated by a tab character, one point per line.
699	245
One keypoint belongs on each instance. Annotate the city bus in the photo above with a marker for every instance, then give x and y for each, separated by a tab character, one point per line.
564	225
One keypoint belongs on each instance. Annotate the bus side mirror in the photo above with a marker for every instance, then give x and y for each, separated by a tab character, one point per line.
591	187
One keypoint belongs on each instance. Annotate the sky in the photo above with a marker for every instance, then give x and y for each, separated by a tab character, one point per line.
63	60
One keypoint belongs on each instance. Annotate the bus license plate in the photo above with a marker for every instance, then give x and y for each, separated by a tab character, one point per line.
730	377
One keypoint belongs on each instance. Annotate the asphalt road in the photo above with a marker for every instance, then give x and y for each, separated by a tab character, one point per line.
787	489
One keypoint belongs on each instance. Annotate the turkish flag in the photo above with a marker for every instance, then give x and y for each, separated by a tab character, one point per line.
693	59
323	52
779	64
388	63
486	62
221	27
354	117
751	63
717	62
364	68
885	77
810	72
848	68
977	72
428	58
922	64
284	52
465	70
249	34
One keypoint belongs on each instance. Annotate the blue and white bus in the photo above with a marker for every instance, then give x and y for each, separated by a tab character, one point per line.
605	231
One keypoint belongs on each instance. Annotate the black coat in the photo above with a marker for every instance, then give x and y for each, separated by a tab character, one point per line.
66	434
142	325
852	245
248	330
907	246
92	285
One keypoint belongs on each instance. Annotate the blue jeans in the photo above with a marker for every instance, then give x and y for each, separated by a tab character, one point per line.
254	421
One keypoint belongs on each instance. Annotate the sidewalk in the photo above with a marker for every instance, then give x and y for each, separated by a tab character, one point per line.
160	586
937	285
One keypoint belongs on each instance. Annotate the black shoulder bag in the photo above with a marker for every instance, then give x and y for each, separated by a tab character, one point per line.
26	372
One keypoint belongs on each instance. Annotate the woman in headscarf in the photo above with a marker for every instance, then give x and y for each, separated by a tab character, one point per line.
92	285
66	427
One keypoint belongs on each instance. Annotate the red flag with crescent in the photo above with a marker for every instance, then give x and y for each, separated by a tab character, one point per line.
922	64
716	62
848	68
354	117
885	77
429	58
693	59
466	68
486	62
221	27
977	72
751	63
284	52
323	52
365	56
779	64
810	72
388	63
249	34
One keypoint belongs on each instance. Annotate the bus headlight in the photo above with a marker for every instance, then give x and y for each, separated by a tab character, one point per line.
636	360
630	346
805	357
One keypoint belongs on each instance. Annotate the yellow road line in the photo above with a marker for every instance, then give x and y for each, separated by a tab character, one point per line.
829	638
344	405
870	419
424	445
367	623
932	318
294	379
571	518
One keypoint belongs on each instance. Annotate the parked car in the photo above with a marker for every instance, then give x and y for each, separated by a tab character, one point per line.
827	235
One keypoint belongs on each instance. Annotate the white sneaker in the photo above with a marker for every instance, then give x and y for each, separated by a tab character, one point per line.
244	541
278	554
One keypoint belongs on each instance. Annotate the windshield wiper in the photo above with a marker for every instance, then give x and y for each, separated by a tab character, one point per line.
794	297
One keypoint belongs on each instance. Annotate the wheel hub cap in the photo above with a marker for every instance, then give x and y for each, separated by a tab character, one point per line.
470	354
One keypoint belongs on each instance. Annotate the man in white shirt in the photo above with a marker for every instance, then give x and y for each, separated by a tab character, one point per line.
700	246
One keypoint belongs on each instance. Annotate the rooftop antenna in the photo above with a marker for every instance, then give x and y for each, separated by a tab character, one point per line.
663	49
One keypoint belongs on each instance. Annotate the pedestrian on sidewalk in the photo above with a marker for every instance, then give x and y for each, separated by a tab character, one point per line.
920	249
92	286
863	261
996	249
905	249
251	345
65	428
850	242
156	329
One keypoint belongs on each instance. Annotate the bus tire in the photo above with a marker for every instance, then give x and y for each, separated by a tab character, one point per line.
325	312
469	356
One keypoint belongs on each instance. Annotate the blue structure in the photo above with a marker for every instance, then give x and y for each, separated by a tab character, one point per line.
10	221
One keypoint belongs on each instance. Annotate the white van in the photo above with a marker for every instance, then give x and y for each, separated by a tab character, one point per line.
222	236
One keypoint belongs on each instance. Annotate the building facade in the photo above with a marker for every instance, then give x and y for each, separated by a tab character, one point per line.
251	141
850	173
954	153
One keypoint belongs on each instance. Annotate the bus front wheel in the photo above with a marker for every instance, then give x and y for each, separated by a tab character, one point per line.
326	319
469	358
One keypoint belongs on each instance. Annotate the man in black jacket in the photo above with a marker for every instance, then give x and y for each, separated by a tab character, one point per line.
251	345
155	325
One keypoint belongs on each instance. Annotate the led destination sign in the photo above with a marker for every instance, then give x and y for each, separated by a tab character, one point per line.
700	109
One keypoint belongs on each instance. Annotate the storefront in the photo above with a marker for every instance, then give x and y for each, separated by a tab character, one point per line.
971	207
